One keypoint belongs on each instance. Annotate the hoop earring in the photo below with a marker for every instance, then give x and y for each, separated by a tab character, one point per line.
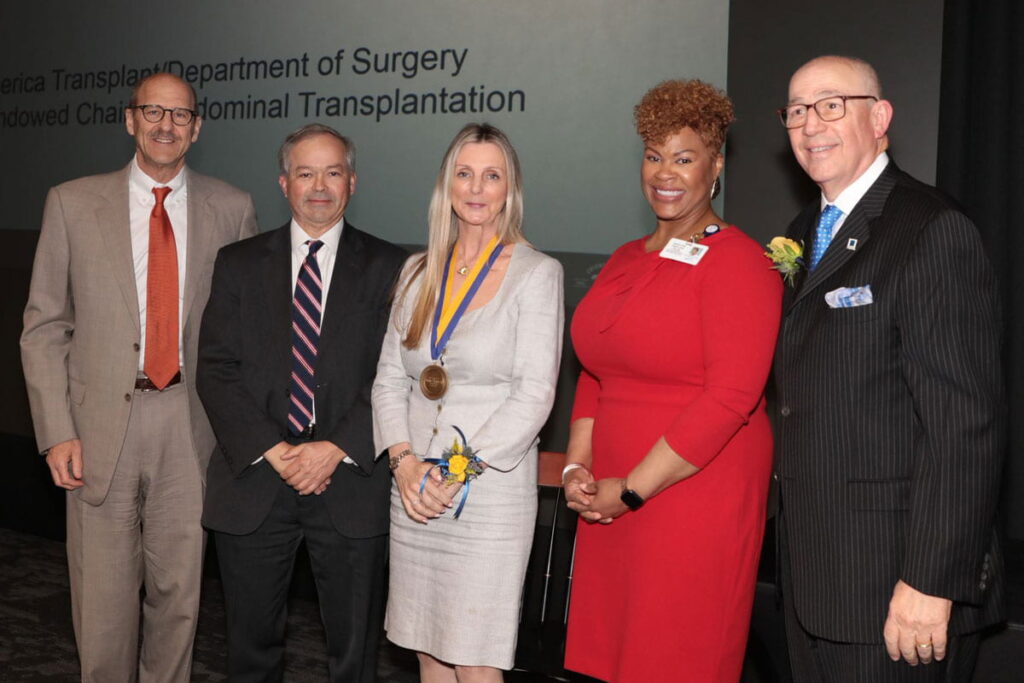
716	187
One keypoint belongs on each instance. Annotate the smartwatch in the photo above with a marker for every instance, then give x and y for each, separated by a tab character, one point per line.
633	500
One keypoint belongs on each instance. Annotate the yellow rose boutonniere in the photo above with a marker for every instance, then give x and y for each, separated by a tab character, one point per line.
787	257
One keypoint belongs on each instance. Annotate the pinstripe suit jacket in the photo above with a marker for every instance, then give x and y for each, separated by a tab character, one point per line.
891	417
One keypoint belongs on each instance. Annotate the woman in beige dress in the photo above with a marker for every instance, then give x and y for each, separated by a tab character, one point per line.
481	376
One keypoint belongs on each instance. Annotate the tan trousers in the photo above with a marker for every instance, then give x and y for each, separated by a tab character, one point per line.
145	533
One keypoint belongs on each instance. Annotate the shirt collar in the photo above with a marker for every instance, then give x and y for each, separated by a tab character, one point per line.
848	198
331	238
143	185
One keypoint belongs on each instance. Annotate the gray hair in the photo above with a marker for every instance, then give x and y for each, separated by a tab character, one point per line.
312	130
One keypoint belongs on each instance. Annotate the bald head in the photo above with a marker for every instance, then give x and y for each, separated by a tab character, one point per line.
856	69
839	148
167	78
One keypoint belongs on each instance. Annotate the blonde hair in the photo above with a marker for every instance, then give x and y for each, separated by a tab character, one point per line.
443	224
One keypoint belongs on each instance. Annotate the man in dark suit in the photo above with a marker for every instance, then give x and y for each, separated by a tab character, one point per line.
890	405
287	355
121	276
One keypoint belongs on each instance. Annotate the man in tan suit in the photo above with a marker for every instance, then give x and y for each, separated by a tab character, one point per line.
121	278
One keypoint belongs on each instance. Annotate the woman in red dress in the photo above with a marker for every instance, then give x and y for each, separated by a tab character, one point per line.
670	447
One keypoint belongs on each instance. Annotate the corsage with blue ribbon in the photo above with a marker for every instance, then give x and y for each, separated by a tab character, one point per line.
457	464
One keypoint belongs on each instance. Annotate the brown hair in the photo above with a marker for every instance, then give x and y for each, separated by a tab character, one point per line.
673	105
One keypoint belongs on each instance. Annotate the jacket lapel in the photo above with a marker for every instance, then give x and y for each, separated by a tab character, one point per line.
200	235
856	227
114	223
275	274
346	280
800	230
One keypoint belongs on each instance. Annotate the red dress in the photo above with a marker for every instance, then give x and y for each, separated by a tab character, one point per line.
680	351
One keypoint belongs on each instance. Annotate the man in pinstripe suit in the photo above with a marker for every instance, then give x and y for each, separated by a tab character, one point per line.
890	406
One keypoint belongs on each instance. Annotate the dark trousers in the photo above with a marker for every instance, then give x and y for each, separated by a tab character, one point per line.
256	570
817	660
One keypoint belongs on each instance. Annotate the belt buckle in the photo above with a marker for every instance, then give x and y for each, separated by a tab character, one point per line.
308	433
145	384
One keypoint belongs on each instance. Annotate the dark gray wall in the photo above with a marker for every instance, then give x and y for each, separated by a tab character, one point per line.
770	40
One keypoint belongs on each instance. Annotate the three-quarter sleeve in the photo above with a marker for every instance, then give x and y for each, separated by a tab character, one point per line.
585	401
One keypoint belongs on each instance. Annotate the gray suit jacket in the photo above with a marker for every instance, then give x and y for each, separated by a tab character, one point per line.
80	344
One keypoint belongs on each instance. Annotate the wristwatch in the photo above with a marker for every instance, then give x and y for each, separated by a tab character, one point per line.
395	459
633	500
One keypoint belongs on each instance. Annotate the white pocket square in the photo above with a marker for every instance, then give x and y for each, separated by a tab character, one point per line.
848	297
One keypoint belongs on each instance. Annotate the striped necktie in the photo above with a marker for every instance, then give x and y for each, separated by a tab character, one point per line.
306	314
822	238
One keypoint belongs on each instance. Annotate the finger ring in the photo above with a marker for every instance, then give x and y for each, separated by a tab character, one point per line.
924	646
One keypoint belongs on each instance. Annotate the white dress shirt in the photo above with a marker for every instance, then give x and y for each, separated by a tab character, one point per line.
324	258
848	198
141	201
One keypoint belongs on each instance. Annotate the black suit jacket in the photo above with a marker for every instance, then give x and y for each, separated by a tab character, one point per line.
244	375
891	417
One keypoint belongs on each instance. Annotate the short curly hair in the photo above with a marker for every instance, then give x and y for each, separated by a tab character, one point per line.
673	105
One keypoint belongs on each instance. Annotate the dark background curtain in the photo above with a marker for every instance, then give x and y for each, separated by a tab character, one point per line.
981	164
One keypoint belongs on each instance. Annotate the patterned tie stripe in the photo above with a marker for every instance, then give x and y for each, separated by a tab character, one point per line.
823	236
306	315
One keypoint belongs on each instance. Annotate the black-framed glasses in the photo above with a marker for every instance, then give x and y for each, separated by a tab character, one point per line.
154	113
830	108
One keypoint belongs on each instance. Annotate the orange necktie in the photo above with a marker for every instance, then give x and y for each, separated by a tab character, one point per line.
161	363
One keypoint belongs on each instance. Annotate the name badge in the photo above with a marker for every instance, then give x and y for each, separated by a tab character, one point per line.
684	251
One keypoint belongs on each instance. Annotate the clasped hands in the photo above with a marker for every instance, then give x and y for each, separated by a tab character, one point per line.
595	500
437	491
306	467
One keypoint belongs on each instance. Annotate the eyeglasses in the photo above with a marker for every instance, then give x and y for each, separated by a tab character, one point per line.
828	109
154	113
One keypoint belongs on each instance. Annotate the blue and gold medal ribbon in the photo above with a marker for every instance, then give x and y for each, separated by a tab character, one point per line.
450	308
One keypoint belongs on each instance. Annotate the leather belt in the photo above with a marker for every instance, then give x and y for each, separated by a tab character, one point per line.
143	383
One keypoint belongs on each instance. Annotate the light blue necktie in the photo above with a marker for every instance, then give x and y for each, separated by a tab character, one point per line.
826	222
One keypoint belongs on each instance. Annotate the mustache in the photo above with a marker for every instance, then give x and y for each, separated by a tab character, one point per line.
154	134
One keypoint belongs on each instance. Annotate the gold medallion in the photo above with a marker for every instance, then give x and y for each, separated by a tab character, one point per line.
433	382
